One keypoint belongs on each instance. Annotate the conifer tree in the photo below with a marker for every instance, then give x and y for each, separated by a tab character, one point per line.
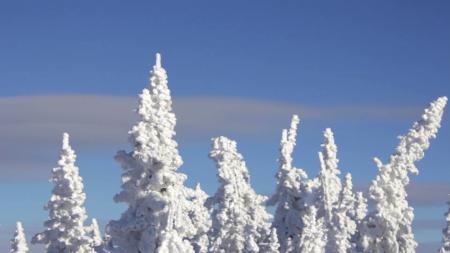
95	236
239	221
292	195
158	202
445	248
329	181
19	242
65	231
389	226
273	245
343	225
313	238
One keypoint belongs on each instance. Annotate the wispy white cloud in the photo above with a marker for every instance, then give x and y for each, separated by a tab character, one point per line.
30	127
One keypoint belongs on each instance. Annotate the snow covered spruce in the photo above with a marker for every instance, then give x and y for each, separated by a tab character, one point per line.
162	215
318	214
240	222
19	242
65	231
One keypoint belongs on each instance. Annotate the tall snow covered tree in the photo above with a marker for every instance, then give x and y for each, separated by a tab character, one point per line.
19	242
240	222
159	207
388	227
65	231
292	193
445	248
330	183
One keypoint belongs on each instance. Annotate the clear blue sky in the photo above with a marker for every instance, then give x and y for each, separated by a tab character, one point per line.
327	56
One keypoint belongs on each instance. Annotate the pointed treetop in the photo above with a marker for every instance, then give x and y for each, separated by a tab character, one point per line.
19	226
19	242
65	143
158	60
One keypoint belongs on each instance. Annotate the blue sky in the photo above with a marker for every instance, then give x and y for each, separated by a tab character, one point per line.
238	68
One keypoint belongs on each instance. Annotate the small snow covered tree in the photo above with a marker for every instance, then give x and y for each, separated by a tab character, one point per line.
159	210
445	248
292	195
388	227
200	217
65	231
360	207
343	226
313	238
273	245
239	221
360	212
95	236
19	242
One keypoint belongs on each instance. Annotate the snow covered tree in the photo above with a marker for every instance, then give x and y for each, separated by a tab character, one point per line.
360	212
388	227
292	195
330	183
159	207
19	242
273	245
95	236
65	231
200	217
360	207
313	238
239	221
445	248
343	225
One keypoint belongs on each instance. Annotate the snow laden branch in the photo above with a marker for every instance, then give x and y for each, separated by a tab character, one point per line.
389	226
65	230
240	222
161	216
19	242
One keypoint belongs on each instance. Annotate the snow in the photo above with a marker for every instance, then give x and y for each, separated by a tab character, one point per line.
389	226
240	222
19	242
65	230
160	208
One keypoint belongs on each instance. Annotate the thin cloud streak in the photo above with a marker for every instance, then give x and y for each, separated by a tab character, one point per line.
31	127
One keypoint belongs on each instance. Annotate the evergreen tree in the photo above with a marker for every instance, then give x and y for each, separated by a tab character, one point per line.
273	245
292	195
239	221
200	216
445	248
19	242
158	203
388	227
95	236
330	183
313	238
65	231
360	214
343	226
